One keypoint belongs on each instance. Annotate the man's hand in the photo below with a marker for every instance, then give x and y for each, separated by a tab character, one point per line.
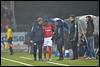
93	33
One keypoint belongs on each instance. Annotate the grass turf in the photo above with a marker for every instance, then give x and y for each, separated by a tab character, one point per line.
66	61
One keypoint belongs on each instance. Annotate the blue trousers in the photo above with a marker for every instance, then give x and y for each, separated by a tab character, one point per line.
90	47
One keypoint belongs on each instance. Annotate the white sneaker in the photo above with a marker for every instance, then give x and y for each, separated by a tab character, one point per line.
88	58
93	58
49	59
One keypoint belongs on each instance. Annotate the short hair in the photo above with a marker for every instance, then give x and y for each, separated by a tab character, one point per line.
73	16
88	17
45	21
9	26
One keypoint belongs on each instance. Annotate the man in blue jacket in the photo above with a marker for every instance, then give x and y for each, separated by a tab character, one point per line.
59	37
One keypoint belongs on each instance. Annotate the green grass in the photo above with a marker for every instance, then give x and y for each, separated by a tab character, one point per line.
66	61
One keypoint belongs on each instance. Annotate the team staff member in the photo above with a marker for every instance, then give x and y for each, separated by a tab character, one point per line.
59	37
37	38
73	36
9	38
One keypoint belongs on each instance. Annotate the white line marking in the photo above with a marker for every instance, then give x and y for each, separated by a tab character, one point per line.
57	63
16	61
26	58
47	62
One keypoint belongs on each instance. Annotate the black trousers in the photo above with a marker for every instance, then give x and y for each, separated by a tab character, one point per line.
10	45
39	47
75	49
60	49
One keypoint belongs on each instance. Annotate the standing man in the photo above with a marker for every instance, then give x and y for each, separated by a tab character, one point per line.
9	38
37	38
48	35
59	37
90	37
73	36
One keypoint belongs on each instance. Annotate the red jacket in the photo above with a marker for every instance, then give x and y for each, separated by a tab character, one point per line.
48	30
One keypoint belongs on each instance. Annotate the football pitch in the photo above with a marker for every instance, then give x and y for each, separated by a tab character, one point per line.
26	59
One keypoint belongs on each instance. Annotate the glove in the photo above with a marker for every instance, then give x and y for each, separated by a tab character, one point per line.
31	41
34	43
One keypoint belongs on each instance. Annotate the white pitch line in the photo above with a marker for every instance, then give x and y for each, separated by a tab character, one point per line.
16	61
26	58
57	63
47	62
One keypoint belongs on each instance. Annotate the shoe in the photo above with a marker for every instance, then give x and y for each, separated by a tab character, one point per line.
44	59
88	58
35	60
62	58
49	59
40	60
93	58
72	59
11	53
97	57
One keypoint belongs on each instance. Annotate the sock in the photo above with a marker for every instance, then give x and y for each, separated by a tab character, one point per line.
45	50
11	50
49	52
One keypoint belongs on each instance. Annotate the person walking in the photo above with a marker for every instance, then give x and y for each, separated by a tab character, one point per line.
37	38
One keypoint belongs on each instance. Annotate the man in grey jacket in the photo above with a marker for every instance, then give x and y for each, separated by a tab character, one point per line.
37	38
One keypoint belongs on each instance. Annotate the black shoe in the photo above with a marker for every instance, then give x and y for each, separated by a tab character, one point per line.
62	58
72	59
97	57
11	53
40	60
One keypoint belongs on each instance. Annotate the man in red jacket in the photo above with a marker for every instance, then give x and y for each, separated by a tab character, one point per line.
48	34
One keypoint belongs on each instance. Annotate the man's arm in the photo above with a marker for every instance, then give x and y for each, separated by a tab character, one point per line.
32	34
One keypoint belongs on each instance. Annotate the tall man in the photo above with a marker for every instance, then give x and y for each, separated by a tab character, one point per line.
73	36
90	37
37	38
59	37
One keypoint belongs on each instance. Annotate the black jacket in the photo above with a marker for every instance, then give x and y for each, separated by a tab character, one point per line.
73	36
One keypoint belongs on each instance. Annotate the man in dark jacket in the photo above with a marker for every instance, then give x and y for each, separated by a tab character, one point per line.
37	38
73	36
90	37
59	37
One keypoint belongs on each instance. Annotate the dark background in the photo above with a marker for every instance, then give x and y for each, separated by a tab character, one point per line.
27	11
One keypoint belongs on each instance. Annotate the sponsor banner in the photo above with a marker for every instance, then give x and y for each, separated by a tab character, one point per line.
18	40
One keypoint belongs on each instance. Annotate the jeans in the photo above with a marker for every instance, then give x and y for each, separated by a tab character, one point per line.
90	47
